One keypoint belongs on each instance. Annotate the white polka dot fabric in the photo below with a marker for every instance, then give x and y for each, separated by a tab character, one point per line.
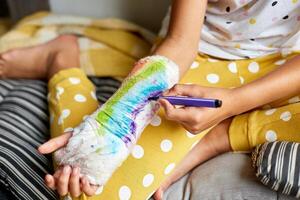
74	80
124	193
104	140
166	145
240	29
271	136
148	180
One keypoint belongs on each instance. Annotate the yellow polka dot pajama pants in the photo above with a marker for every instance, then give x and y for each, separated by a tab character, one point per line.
163	144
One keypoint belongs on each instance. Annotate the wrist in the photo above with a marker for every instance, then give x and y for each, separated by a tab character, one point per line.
229	104
241	101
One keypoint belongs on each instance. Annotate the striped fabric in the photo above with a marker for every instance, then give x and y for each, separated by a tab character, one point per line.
278	166
23	127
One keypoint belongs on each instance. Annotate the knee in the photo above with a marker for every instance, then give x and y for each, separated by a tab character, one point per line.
63	41
218	137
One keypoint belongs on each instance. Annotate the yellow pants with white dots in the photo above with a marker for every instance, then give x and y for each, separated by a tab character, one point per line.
163	144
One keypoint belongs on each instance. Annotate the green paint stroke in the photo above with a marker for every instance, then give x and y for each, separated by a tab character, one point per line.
147	71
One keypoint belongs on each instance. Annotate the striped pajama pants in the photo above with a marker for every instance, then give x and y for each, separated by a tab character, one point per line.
24	125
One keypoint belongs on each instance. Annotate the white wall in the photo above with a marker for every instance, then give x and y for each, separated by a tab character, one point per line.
148	13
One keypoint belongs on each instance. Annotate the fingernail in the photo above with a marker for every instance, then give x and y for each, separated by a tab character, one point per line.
66	169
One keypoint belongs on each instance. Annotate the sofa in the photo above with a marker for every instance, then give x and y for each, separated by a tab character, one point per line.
226	177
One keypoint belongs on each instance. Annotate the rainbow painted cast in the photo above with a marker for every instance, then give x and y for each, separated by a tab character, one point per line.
119	115
104	140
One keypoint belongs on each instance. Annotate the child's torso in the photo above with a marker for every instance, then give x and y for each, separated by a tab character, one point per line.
238	29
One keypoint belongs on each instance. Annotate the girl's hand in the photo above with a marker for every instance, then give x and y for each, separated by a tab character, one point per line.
197	119
66	179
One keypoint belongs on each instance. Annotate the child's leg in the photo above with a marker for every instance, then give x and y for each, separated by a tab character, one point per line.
244	133
71	98
214	143
259	126
42	61
238	74
46	60
162	145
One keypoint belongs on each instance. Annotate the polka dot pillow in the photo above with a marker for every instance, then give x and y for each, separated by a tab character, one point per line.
277	166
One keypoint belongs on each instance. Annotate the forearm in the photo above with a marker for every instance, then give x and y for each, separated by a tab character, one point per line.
182	40
282	83
181	52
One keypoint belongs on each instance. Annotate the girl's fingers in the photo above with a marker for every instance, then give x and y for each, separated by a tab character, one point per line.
74	185
50	181
175	114
55	143
57	173
63	181
87	188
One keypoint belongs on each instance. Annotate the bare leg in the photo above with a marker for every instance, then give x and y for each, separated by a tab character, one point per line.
42	61
214	143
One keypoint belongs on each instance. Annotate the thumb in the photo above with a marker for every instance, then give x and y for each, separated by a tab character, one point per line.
166	105
55	143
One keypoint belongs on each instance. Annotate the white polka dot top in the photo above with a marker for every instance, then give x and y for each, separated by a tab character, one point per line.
239	29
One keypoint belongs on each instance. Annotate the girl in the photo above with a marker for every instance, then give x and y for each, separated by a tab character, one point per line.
237	60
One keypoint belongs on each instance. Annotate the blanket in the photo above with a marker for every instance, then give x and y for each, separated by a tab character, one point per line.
4	25
108	47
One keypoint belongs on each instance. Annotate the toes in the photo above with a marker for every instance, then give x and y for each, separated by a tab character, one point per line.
1	64
10	55
7	55
1	59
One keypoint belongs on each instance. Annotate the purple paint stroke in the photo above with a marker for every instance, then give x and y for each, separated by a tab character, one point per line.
126	139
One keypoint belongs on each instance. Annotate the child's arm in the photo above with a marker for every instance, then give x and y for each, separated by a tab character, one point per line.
182	40
280	84
277	85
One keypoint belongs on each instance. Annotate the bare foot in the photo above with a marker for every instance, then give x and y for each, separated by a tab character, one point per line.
214	143
37	62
